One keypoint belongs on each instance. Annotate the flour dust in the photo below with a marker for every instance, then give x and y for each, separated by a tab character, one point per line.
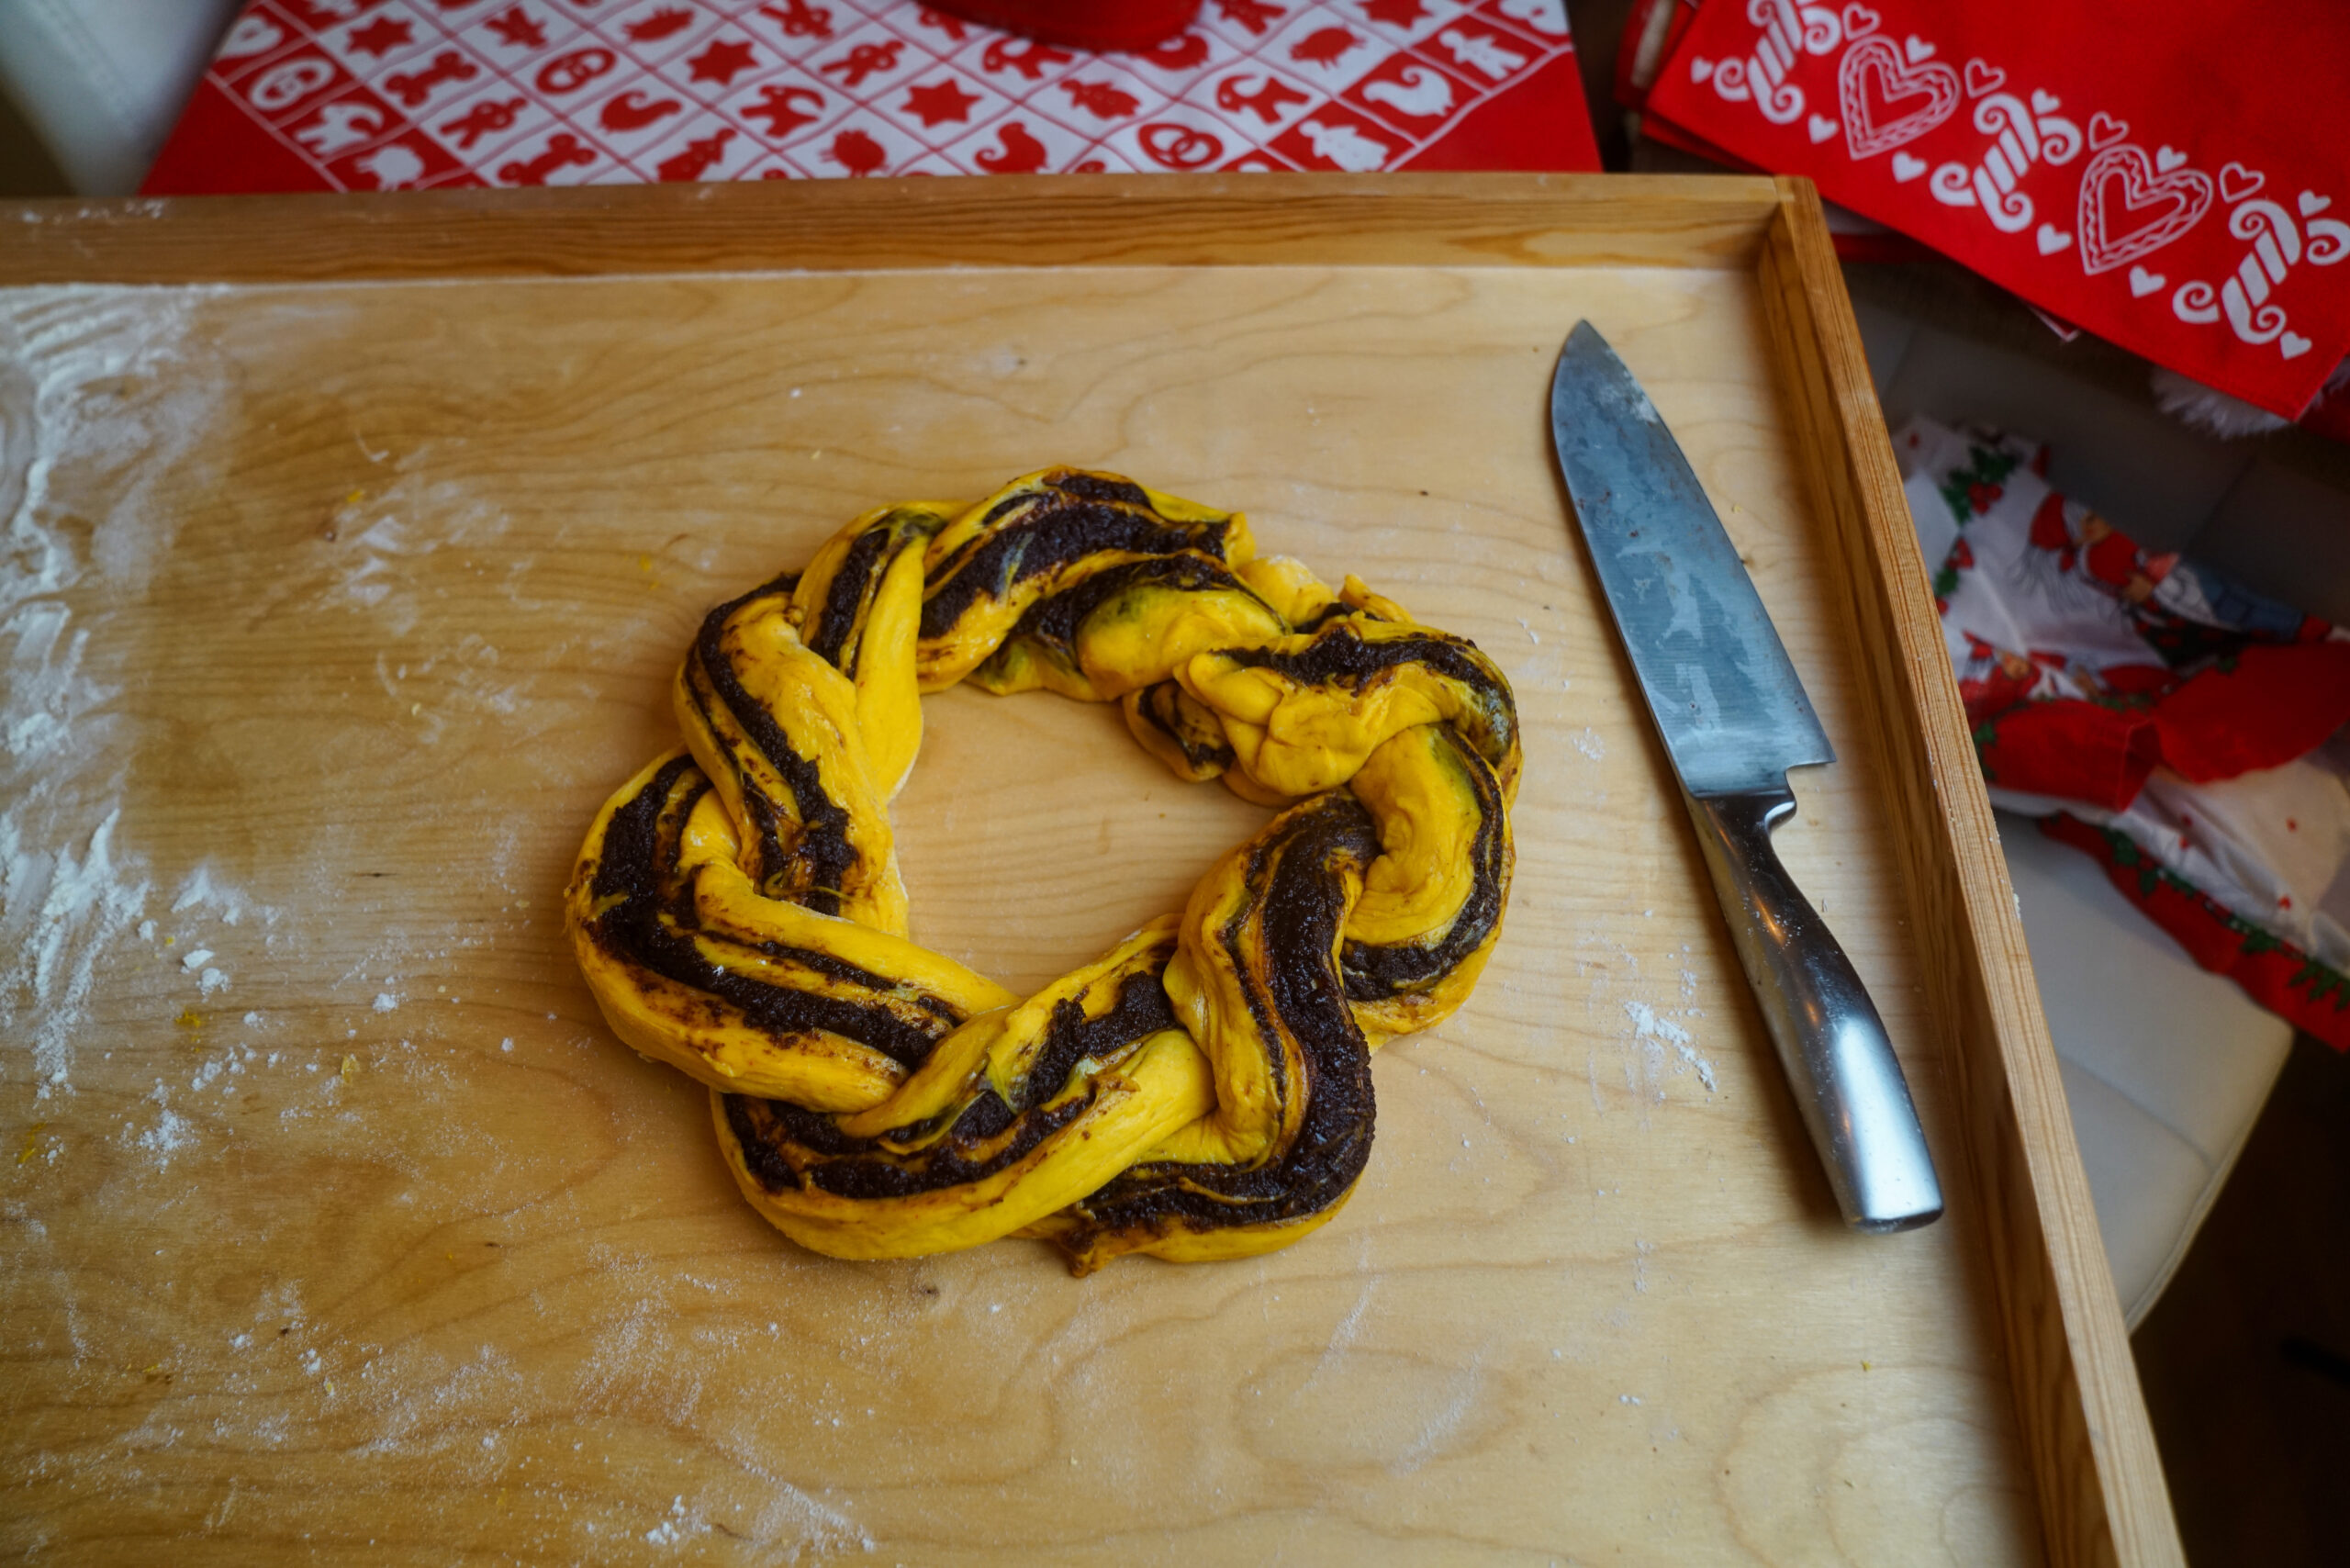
102	392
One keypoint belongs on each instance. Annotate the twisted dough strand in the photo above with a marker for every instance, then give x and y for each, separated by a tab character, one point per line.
1203	1089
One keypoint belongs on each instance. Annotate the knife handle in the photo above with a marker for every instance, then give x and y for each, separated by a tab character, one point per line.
1838	1059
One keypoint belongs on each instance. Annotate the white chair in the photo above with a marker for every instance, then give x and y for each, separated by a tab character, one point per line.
2165	1065
102	82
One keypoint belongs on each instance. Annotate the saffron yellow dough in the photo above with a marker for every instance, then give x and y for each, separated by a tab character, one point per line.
1201	1090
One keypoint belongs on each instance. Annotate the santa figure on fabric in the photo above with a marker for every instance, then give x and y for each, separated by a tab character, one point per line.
2150	710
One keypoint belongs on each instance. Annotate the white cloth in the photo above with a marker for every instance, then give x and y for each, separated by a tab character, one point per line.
2166	1066
2270	846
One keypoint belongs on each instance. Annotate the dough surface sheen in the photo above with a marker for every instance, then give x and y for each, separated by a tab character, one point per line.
1203	1089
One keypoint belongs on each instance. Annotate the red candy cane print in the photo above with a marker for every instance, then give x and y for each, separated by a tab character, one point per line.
2277	246
1789	30
2025	136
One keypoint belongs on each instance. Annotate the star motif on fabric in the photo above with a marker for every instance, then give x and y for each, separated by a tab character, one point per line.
380	37
1396	13
722	61
940	102
518	27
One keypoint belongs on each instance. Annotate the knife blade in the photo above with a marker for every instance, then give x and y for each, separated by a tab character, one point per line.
1734	719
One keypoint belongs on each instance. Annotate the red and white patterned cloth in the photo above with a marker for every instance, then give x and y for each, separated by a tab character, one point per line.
2169	182
377	95
2149	710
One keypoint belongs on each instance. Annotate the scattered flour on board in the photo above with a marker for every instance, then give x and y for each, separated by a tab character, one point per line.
1647	1026
107	397
1660	1045
679	1527
172	1132
1442	1425
1657	1032
60	907
100	392
1586	741
103	393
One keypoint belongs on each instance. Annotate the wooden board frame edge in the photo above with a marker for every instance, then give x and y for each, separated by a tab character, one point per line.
2102	1497
1405	220
2101	1493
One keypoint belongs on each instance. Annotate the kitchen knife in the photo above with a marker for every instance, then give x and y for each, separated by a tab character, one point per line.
1734	719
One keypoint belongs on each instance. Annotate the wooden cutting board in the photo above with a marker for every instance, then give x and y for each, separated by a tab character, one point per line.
339	1227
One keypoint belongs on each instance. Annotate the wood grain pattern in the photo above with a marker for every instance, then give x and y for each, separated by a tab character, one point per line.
852	225
2099	1476
339	607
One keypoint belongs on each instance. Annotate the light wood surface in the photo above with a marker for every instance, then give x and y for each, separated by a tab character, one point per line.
338	608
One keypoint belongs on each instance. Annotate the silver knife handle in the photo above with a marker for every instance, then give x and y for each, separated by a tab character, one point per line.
1838	1059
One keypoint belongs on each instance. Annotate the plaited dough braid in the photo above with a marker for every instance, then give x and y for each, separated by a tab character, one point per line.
1201	1090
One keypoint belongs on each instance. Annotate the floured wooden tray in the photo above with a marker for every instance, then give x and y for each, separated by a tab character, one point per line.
351	545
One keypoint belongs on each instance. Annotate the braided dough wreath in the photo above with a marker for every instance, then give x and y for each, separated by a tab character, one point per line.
1201	1090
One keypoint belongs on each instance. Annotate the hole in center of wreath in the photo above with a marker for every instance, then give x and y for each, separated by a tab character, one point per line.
1034	832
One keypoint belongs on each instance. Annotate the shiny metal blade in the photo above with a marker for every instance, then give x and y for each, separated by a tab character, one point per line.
1728	704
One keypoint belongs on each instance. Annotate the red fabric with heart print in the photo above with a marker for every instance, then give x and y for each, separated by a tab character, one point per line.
375	95
2177	183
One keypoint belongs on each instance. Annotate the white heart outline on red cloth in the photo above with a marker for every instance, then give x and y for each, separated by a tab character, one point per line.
1863	136
1860	22
2101	249
2104	128
1990	77
2237	182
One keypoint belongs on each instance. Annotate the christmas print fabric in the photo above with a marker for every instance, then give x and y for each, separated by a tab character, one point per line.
379	95
2183	729
2168	181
